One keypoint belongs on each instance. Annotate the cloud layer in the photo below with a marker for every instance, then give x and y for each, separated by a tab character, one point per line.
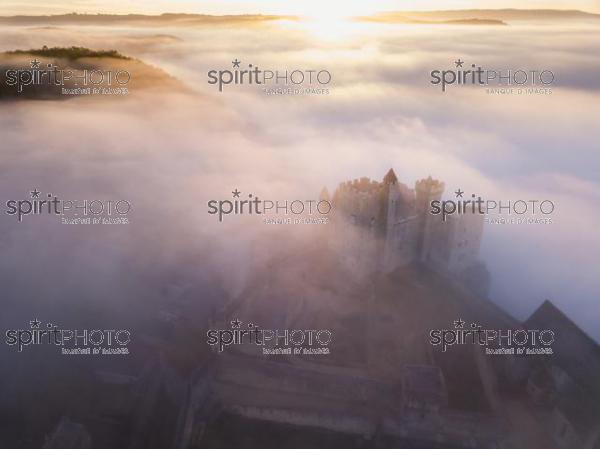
169	154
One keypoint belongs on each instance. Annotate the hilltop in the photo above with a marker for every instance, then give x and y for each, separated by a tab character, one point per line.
142	19
31	74
478	16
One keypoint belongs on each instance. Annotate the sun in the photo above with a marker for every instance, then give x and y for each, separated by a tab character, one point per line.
329	21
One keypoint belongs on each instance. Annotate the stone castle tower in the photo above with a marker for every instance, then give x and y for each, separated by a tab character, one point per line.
399	218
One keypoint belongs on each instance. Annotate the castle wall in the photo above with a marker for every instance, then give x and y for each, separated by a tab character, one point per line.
401	243
454	243
467	234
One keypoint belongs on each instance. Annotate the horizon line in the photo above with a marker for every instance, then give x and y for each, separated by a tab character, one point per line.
263	13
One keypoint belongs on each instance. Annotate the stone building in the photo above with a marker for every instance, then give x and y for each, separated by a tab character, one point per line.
400	220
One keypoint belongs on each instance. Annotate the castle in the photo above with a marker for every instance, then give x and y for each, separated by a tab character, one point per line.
383	385
399	219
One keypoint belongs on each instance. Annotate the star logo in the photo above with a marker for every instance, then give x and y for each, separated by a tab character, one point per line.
236	193
35	193
235	324
458	193
35	324
35	64
458	324
459	63
236	62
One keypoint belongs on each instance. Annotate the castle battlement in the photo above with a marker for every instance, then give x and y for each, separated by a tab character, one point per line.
361	185
429	184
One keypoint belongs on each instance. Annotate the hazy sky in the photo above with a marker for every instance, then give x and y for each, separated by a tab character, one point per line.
305	7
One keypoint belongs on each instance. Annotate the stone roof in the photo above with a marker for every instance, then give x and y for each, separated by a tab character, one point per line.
390	177
574	351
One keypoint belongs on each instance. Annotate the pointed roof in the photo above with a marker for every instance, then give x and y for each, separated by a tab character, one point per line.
390	177
574	351
324	194
549	315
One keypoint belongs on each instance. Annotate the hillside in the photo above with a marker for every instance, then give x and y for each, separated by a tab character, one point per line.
59	73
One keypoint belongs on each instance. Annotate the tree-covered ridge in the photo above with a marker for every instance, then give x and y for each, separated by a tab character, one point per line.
70	53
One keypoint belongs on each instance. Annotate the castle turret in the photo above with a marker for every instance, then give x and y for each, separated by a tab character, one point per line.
390	181
426	191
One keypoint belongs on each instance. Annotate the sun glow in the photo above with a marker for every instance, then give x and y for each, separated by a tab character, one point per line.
331	20
329	28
